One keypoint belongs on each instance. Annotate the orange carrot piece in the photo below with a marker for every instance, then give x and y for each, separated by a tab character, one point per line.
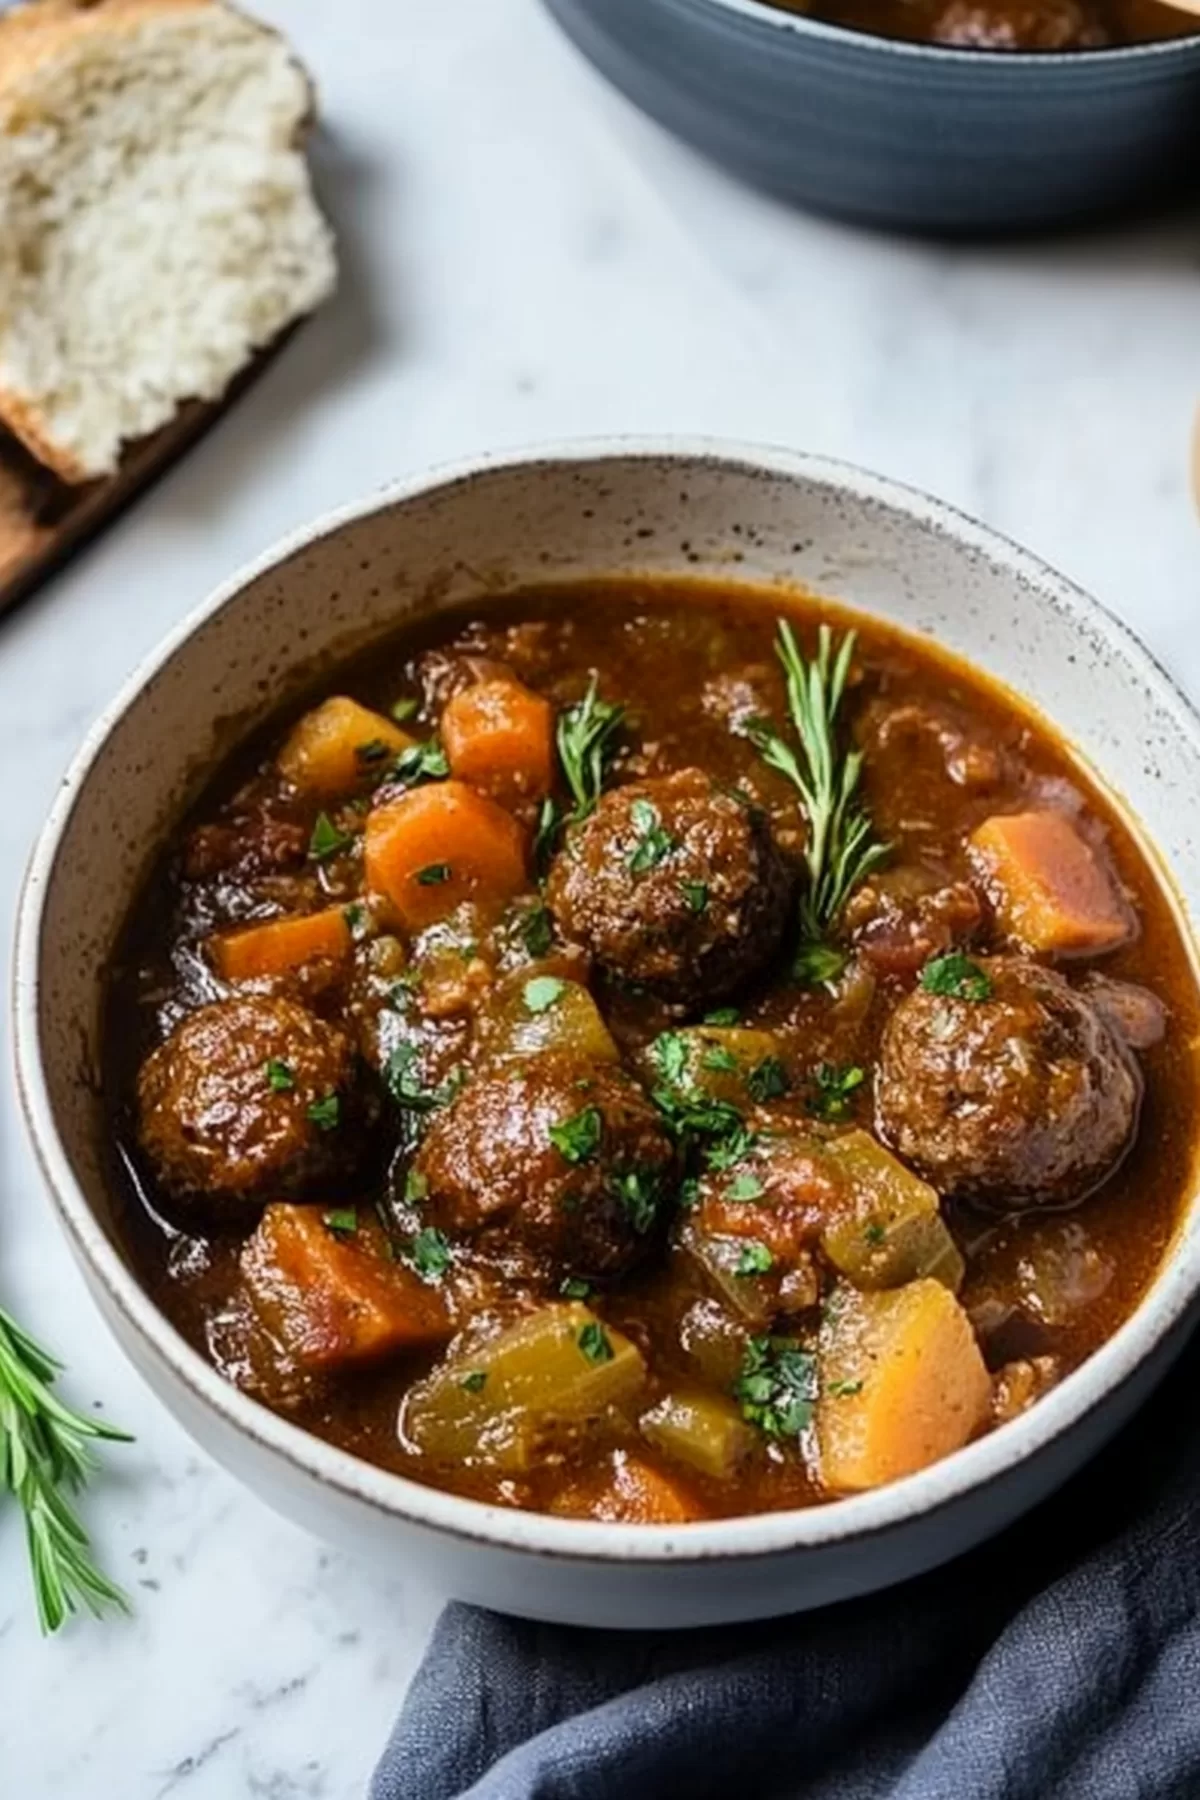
439	845
279	945
499	736
1053	892
328	1293
340	745
630	1492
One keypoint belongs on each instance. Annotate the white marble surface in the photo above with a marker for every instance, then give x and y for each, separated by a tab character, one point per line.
524	258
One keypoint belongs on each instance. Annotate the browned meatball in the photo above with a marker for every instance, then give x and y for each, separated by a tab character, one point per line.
559	1158
247	1100
1033	25
1025	1098
675	884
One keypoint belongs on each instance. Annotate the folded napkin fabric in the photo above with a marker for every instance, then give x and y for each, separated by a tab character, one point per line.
1059	1662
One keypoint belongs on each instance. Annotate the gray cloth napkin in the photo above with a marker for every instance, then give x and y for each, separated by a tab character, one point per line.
1059	1662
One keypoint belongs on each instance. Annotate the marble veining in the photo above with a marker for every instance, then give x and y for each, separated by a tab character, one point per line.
525	257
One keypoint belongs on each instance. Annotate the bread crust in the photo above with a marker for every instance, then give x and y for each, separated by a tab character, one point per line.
31	36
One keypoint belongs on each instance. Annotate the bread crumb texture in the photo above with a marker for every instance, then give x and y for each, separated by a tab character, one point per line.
157	223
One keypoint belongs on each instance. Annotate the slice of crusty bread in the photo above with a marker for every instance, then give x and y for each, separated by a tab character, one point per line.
157	225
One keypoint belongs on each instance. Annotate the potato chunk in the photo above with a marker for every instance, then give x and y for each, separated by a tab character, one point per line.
339	745
902	1384
893	1231
540	1386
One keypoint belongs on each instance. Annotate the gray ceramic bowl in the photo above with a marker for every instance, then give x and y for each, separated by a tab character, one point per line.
569	512
904	135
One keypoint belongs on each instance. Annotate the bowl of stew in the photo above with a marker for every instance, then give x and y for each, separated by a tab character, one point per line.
622	1022
944	116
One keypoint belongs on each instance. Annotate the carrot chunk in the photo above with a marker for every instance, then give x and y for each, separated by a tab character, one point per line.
325	1290
339	745
499	736
439	845
1053	893
630	1492
279	945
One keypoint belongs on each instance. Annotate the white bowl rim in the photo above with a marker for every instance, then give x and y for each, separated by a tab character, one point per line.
1161	1309
767	13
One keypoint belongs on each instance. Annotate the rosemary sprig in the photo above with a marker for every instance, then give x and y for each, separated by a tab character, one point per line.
45	1456
587	739
842	848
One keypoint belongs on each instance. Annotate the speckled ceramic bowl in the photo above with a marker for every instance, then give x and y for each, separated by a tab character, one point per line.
571	512
913	136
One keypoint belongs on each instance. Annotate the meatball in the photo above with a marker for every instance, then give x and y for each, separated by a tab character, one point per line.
675	884
1025	1098
554	1157
1033	25
249	1099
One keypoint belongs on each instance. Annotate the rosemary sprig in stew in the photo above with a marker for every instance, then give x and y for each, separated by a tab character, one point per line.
45	1457
842	848
587	734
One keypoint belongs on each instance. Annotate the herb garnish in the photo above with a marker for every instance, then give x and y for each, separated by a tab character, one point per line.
654	843
841	848
724	1015
342	1221
696	895
474	1381
670	1052
594	1341
324	1113
586	736
373	751
537	930
541	993
357	919
767	1080
777	1386
45	1457
433	874
640	1191
755	1259
280	1078
815	965
430	1253
956	977
744	1187
875	1233
833	1086
407	708
326	839
416	1186
419	763
403	1082
840	1390
719	1061
577	1139
574	1287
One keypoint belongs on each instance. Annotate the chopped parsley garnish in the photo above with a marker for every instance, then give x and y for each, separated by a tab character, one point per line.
689	1192
842	1390
541	993
548	821
777	1386
640	1191
816	963
357	919
433	874
755	1259
696	895
403	1081
430	1254
832	1089
280	1078
729	1150
577	1139
373	751
574	1287
326	839
594	1341
342	1221
326	1113
587	740
474	1381
767	1080
875	1233
956	977
719	1061
655	842
407	708
670	1052
724	1015
537	931
744	1187
416	1186
419	763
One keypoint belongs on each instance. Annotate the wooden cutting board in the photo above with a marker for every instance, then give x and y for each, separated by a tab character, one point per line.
42	520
